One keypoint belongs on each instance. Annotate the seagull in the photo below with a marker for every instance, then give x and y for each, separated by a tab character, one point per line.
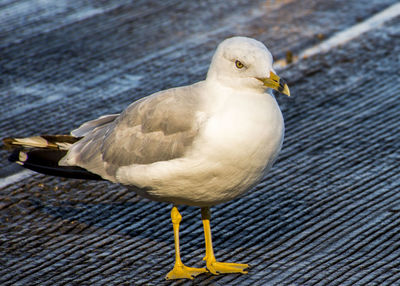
198	145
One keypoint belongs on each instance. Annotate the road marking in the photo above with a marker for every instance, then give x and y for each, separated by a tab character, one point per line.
12	179
353	32
347	35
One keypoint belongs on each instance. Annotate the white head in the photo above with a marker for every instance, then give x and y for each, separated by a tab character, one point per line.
241	62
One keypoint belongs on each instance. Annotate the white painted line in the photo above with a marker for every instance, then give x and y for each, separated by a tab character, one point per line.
14	178
353	32
348	34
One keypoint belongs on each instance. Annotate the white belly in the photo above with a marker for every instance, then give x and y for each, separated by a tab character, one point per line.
231	155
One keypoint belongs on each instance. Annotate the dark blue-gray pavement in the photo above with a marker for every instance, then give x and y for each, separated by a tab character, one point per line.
328	213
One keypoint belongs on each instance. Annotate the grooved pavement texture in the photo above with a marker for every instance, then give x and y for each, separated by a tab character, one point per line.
328	213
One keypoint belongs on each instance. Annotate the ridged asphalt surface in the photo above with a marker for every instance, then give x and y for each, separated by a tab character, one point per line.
328	213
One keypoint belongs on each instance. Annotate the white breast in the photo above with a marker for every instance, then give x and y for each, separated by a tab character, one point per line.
245	140
239	142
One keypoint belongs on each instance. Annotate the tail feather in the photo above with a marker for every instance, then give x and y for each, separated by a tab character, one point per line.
42	154
58	142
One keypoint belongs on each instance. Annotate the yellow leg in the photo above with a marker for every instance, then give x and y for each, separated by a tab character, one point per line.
212	265
180	271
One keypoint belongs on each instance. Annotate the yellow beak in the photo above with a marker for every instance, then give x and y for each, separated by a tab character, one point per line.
275	82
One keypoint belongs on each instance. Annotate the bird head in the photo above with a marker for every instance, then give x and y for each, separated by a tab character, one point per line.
241	62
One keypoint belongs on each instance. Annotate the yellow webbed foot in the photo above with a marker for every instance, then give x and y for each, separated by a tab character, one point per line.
184	272
216	267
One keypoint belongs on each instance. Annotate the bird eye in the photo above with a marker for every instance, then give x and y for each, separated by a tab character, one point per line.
239	64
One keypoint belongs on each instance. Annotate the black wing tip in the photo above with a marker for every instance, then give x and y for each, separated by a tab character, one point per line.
44	158
45	161
65	172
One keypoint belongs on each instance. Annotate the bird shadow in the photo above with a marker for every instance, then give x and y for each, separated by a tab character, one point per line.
243	220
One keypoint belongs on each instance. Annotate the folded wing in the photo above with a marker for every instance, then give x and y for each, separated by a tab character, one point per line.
160	127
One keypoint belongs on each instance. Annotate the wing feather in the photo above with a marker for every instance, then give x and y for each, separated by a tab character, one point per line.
89	126
157	128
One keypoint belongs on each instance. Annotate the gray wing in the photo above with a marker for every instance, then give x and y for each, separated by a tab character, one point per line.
89	126
160	127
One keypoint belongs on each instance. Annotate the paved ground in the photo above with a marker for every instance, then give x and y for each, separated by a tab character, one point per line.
327	214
